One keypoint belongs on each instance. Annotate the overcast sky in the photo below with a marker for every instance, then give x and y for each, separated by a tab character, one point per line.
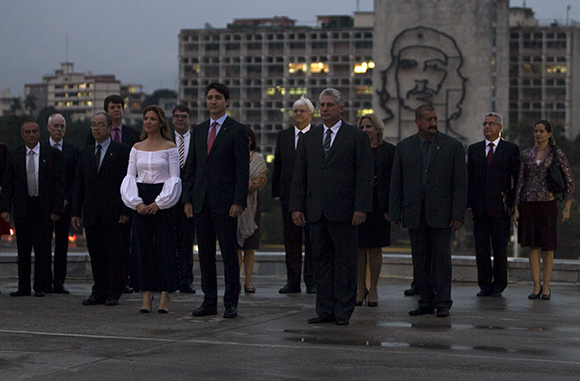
136	40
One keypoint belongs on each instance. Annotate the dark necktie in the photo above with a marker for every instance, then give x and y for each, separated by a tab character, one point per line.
490	153
211	138
326	146
298	140
117	134
425	154
181	151
98	156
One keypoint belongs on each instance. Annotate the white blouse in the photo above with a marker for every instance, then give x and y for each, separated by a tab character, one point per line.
152	167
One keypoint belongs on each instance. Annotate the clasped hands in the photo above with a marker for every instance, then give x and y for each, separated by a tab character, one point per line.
143	209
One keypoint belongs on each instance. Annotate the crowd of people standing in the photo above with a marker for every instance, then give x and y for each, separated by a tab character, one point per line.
342	188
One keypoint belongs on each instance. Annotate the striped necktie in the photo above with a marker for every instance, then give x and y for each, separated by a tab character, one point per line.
181	151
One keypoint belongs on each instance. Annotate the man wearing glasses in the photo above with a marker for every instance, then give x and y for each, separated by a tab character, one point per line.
184	226
102	167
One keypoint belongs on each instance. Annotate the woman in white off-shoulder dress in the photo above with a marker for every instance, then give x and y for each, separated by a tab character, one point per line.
152	186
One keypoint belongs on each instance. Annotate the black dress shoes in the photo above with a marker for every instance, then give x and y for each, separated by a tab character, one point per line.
320	320
93	300
230	313
482	293
422	311
19	293
341	322
59	289
311	289
127	289
442	312
290	290
111	302
204	311
187	289
411	292
39	294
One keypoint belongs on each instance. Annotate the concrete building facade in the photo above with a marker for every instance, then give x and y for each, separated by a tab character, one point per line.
81	94
544	71
452	54
269	65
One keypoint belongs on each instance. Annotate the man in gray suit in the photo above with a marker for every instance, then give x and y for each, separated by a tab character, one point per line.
428	195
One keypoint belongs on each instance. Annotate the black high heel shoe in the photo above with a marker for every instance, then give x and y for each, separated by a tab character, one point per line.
372	304
362	302
546	297
163	310
535	296
145	310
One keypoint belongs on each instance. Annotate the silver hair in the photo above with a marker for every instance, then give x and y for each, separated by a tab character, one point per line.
107	117
304	101
498	117
50	118
337	95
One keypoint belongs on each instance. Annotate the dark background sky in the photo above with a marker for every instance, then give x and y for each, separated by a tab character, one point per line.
136	40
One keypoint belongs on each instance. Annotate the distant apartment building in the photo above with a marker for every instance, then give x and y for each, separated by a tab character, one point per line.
82	94
544	71
269	63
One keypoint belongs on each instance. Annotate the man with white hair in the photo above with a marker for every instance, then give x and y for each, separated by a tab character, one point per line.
57	128
285	155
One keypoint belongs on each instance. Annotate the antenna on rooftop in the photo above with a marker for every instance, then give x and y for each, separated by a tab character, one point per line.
358	5
66	48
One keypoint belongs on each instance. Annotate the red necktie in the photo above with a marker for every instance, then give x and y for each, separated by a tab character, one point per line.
490	153
211	136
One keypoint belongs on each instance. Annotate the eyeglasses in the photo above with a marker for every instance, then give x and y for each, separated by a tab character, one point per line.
180	116
489	124
98	125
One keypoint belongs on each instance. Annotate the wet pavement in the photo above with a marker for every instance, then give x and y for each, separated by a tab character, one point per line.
507	338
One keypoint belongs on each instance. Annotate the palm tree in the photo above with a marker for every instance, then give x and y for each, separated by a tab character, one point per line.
16	105
30	104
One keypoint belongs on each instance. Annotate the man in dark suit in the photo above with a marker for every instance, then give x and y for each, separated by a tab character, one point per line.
332	191
493	167
216	190
428	194
33	188
97	198
185	227
57	128
114	106
285	156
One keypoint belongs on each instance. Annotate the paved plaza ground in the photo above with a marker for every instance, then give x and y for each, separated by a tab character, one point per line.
508	338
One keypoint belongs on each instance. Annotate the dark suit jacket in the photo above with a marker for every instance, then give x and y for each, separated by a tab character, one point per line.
129	137
98	195
338	186
486	182
222	176
285	156
445	188
383	160
50	183
70	157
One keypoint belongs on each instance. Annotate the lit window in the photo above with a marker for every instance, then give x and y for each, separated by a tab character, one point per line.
82	86
362	67
296	68
318	67
364	89
556	69
362	112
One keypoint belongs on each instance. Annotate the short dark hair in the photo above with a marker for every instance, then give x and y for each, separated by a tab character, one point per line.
421	109
113	99
252	137
220	88
182	108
